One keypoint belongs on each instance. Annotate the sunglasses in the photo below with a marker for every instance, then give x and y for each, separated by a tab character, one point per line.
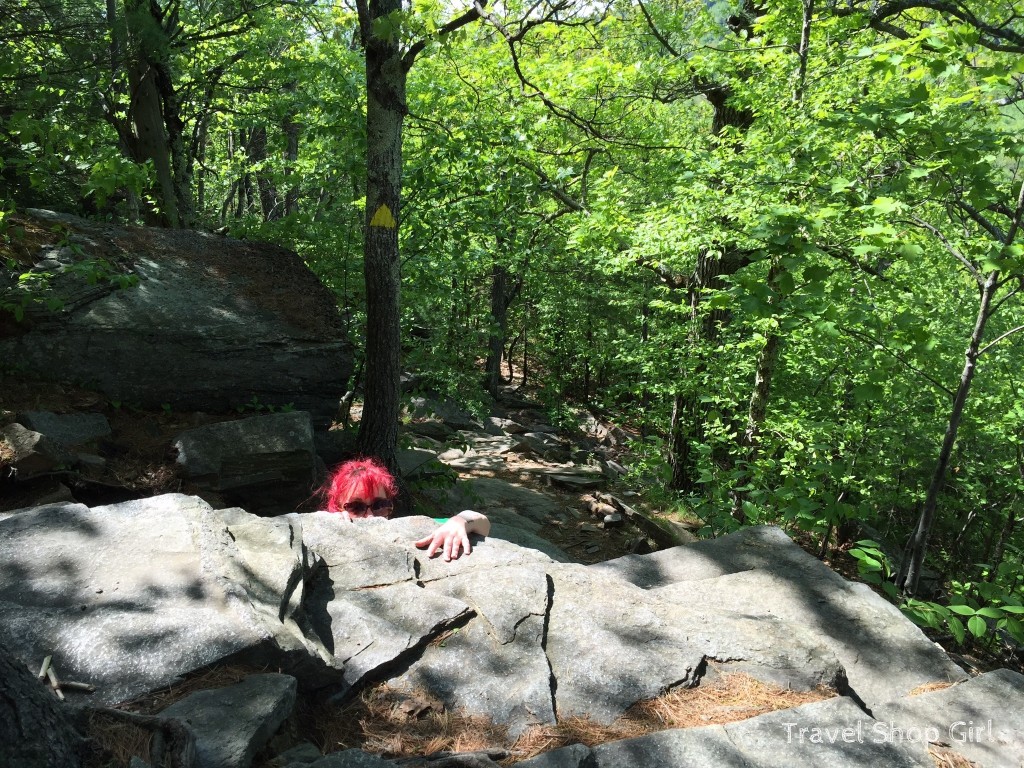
374	507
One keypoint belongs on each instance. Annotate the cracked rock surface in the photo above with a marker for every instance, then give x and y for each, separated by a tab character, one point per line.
760	573
131	596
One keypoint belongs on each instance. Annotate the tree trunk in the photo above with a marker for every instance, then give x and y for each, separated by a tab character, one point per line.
913	559
687	425
499	327
154	114
707	274
35	730
1004	537
149	137
291	155
385	113
256	151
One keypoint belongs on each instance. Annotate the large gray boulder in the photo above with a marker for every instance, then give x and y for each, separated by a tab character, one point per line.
68	429
769	740
497	664
981	719
131	596
759	572
212	323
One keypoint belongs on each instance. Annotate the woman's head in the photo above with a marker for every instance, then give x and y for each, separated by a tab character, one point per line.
362	488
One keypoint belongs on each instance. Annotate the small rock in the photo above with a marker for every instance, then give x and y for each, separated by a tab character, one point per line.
300	753
34	453
615	467
592	549
612	520
70	429
600	508
232	724
91	465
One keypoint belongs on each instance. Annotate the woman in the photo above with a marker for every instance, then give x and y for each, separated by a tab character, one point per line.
363	488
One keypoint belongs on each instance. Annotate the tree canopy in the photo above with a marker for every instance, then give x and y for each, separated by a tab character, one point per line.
779	242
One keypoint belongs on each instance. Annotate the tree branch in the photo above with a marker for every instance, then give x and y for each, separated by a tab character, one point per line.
654	30
968	264
560	194
996	340
879	344
997	37
458	22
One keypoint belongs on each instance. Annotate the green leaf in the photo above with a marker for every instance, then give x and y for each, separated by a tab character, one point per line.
977	626
963	610
957	628
886	205
1015	630
816	273
867	392
990	613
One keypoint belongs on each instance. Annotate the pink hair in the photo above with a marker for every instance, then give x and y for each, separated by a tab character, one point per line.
358	477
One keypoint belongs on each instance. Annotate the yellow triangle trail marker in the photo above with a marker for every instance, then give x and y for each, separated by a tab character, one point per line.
383	217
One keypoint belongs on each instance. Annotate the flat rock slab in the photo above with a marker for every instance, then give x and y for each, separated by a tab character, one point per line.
486	493
760	572
835	733
629	644
762	547
479	463
609	653
370	630
981	719
127	597
70	429
233	723
350	758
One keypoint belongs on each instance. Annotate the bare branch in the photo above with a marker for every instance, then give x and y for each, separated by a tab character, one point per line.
968	264
996	340
979	218
998	36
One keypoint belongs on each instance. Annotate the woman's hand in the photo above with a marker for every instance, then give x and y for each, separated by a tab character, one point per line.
452	538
